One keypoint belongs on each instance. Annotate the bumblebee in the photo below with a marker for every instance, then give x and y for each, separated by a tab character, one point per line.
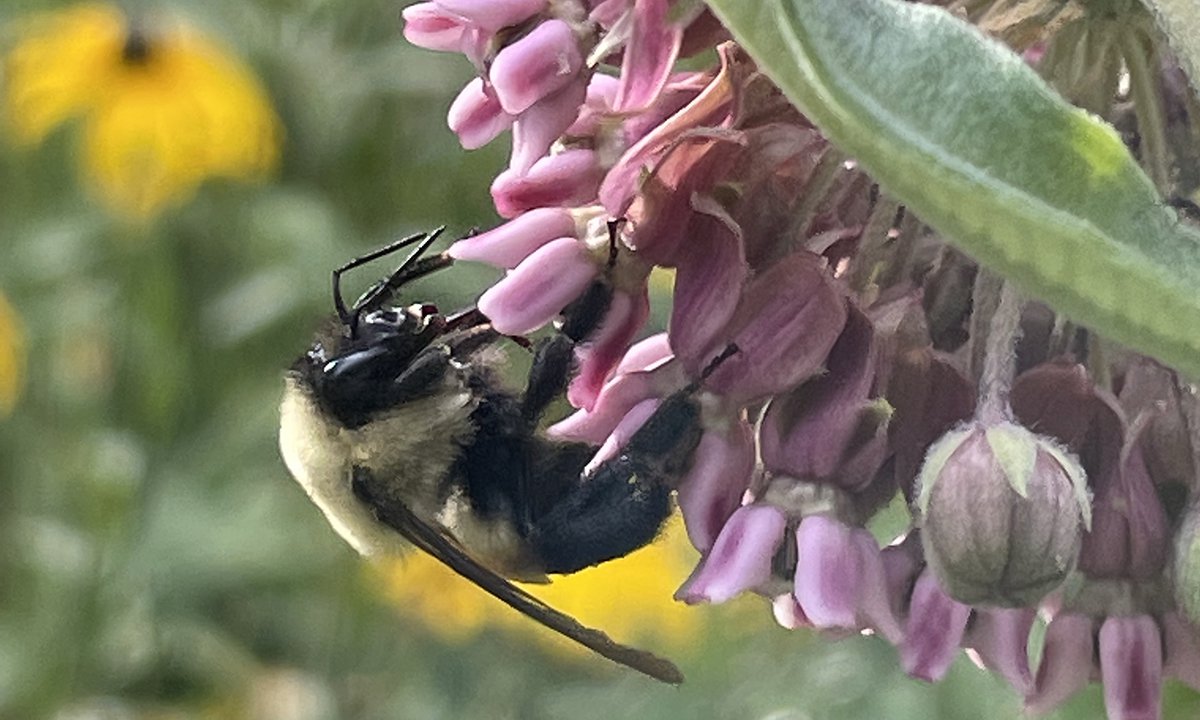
397	424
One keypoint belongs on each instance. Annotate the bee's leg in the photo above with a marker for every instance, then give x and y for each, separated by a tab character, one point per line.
623	504
553	356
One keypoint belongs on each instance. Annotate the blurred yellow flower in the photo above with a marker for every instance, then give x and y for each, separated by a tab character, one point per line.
12	357
163	108
630	598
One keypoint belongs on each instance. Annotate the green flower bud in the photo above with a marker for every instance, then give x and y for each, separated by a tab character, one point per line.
1003	512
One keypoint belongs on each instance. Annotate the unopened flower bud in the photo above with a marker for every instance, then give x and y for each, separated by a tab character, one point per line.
433	27
533	67
505	246
476	116
494	14
1002	513
1187	564
563	180
540	287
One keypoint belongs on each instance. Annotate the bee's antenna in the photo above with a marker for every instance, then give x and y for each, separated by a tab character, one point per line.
338	303
413	267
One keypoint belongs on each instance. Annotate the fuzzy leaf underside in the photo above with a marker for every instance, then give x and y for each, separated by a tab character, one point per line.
962	131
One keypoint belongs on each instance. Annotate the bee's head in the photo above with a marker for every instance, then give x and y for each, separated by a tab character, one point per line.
370	343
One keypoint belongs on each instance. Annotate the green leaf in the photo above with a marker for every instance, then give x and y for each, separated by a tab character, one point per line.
962	131
1180	22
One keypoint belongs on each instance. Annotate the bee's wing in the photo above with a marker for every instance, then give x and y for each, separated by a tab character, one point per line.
438	543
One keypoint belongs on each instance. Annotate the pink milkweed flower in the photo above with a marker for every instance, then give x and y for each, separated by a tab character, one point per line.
674	204
596	358
619	395
1000	639
713	488
710	108
537	65
433	27
708	279
1068	661
1130	664
840	580
650	55
506	245
740	558
493	15
539	126
934	630
540	287
785	323
829	429
476	116
1131	660
620	435
567	179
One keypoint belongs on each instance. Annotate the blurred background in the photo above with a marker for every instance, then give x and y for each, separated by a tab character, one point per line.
173	195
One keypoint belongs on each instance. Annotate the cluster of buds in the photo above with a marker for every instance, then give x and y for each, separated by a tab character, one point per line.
1042	473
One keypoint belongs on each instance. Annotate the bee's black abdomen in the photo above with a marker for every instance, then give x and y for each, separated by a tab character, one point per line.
616	511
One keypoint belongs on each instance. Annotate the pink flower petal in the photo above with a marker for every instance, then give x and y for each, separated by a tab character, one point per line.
476	116
616	399
633	420
1131	668
432	27
806	433
567	179
674	202
828	572
1182	650
712	489
607	12
785	324
835	571
649	55
875	606
605	348
597	105
620	185
645	353
542	62
1067	662
1001	637
494	14
741	557
540	287
536	129
708	281
505	246
934	630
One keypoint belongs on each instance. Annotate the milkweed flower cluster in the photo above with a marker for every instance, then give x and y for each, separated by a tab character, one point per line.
163	106
873	362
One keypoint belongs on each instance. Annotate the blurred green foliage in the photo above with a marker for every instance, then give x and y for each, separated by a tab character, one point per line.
155	558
